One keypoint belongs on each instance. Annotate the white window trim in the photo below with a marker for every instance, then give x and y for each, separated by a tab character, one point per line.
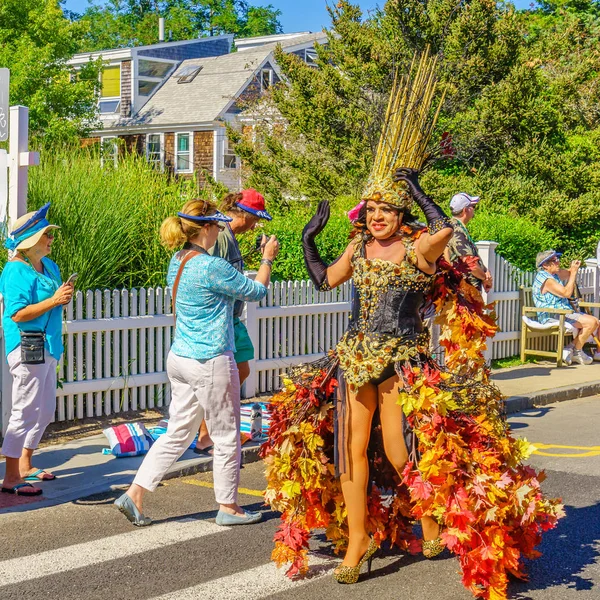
105	139
191	161
162	149
268	70
137	101
225	153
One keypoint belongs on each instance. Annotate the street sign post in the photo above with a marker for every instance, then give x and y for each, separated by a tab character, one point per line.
4	104
4	125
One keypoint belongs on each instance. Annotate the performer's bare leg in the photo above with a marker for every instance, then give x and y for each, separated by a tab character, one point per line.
361	407
390	413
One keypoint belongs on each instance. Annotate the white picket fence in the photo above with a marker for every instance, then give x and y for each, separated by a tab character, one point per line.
116	343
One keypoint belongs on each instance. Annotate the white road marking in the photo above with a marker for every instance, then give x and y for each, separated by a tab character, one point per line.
253	584
138	541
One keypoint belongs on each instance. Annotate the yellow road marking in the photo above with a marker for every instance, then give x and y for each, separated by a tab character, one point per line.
590	450
208	484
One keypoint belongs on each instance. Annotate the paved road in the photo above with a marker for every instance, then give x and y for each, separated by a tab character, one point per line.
87	550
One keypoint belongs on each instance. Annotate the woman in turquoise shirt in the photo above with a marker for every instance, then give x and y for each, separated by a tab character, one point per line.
201	368
33	296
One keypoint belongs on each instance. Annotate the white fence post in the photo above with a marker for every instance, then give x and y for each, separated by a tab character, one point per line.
594	265
487	252
20	159
5	379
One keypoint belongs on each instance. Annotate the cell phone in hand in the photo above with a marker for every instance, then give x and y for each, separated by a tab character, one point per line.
72	279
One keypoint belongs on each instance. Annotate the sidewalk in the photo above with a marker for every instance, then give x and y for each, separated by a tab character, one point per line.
83	470
532	385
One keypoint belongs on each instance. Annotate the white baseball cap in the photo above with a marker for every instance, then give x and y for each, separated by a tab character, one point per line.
461	200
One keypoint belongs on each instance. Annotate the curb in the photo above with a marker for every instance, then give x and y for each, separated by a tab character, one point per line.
516	404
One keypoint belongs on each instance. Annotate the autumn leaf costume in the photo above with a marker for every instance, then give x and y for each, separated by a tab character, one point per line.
464	469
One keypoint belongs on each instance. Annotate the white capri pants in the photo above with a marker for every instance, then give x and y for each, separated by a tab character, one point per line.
33	403
200	389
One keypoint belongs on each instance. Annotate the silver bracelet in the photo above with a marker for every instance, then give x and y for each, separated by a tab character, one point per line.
266	261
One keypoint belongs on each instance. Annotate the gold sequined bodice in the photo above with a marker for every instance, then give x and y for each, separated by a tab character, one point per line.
385	325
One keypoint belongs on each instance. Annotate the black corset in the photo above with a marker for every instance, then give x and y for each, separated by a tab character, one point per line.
394	312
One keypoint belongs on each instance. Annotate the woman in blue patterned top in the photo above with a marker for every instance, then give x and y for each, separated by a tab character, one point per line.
550	292
201	368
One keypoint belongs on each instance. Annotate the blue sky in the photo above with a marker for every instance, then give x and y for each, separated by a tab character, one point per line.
304	15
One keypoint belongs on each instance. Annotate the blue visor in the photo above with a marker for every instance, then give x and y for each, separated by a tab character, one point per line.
261	214
36	223
217	216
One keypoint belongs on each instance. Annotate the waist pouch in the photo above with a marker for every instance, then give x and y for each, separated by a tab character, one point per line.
33	351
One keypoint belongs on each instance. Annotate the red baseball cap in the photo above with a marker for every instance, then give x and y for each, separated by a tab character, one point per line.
254	203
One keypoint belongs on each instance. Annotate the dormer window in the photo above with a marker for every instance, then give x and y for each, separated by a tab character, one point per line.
151	74
153	68
310	57
266	79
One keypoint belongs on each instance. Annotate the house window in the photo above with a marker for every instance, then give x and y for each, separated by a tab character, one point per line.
109	153
150	68
183	153
146	87
266	79
154	150
230	160
111	82
107	107
310	57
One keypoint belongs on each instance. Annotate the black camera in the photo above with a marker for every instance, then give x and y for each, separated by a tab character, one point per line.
258	243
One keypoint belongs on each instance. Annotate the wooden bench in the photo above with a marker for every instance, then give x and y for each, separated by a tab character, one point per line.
532	329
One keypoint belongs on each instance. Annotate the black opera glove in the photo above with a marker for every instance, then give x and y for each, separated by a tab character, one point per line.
316	267
436	218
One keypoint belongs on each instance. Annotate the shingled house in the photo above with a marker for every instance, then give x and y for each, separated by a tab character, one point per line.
170	101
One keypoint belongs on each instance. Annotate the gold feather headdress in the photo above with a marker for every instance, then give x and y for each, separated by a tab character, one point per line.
406	132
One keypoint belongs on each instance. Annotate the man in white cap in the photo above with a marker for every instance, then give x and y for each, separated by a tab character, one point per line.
462	247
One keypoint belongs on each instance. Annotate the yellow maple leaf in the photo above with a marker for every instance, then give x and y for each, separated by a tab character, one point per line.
291	489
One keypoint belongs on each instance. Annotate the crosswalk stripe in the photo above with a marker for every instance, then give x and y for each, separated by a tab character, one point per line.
253	584
138	541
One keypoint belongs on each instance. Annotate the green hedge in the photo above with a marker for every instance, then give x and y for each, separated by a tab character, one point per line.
109	217
110	220
519	240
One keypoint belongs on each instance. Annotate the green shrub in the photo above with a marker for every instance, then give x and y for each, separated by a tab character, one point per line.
287	225
519	240
109	217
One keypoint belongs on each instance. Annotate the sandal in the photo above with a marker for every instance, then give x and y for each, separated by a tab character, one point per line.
433	548
40	475
20	490
208	451
127	506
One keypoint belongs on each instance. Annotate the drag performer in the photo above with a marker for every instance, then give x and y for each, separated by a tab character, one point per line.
376	435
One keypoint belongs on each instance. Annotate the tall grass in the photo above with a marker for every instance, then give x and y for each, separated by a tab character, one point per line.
109	217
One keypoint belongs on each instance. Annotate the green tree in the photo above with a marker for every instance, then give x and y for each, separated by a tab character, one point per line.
334	113
124	23
36	40
523	90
